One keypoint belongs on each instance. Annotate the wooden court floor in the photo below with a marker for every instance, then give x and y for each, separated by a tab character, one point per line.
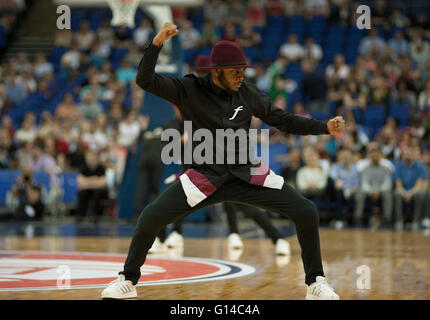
399	265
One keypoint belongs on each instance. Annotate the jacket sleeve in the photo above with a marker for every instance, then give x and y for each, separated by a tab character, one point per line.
169	88
284	120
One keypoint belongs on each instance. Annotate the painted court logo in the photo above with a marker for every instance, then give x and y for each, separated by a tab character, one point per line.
24	270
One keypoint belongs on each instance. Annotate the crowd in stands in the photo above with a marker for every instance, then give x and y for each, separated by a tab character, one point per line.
380	82
10	13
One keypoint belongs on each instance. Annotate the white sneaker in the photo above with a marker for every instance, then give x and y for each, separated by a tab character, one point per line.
398	225
120	289
234	241
338	225
282	247
175	240
426	223
157	247
320	290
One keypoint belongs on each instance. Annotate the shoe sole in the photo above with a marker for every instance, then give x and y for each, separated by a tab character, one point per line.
312	297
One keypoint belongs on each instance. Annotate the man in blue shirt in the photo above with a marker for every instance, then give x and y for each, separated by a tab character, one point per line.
346	180
410	179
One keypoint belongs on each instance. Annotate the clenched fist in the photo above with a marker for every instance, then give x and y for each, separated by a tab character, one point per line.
168	31
336	126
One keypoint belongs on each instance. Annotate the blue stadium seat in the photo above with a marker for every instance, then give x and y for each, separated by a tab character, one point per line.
399	112
7	180
69	184
374	117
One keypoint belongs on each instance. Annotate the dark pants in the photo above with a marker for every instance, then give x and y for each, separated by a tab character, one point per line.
172	204
261	218
88	196
342	210
147	182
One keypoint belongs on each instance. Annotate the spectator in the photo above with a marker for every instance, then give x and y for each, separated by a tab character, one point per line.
6	123
215	11
84	37
255	13
346	180
317	8
338	71
94	136
341	13
420	50
311	178
275	7
294	7
424	97
380	14
411	182
41	66
299	110
230	32
26	198
352	97
105	33
142	34
5	103
398	19
72	58
46	127
399	43
236	12
126	73
7	149
294	163
27	80
22	63
189	35
420	21
28	131
67	110
115	114
314	85
122	37
380	92
92	186
276	69
90	108
312	50
209	35
15	91
366	162
292	50
372	42
376	185
249	38
93	86
403	95
129	129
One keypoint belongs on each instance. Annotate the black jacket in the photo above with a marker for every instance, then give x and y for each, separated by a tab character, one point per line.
210	107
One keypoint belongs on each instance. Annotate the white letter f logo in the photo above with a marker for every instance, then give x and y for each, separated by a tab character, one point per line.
240	108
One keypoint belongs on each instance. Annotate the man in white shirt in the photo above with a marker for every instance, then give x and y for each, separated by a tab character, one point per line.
141	35
292	50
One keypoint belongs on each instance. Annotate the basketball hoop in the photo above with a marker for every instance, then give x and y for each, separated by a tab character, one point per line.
123	12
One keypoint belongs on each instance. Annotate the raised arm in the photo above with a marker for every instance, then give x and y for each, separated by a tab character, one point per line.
168	88
290	123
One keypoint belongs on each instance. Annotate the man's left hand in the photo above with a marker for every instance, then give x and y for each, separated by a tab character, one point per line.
336	126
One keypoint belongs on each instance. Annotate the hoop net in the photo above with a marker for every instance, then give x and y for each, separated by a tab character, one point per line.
123	12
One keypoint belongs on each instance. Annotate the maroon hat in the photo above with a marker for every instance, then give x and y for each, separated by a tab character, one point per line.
201	61
227	54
